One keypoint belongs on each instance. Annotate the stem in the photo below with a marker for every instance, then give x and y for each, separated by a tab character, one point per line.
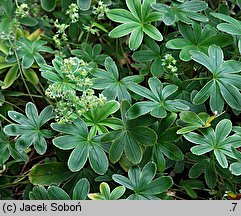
194	79
212	5
21	73
6	119
4	101
88	34
16	2
42	94
80	36
86	40
19	66
127	63
37	96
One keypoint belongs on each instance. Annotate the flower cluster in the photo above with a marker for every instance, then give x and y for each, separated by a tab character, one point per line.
22	10
100	10
72	106
170	63
73	95
73	13
60	34
91	29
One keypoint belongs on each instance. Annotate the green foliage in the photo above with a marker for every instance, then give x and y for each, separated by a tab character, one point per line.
105	193
80	192
48	5
7	149
142	182
232	26
110	81
217	141
67	79
84	4
89	54
152	53
193	121
225	82
140	100
158	96
76	136
49	173
130	137
28	51
196	38
186	12
28	128
98	118
136	21
211	169
235	167
165	145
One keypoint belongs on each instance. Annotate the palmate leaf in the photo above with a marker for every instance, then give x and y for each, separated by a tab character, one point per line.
211	169
130	137
136	22
28	51
192	121
28	128
221	87
219	142
90	54
152	53
165	146
98	119
158	103
186	12
106	194
109	81
142	184
80	191
76	136
232	26
7	149
197	38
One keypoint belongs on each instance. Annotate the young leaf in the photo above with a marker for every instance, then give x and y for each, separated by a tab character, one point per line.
137	21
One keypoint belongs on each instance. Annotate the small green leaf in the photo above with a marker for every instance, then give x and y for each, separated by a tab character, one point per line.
11	76
152	32
56	193
81	189
49	173
123	181
235	168
48	5
117	193
31	76
136	38
84	4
